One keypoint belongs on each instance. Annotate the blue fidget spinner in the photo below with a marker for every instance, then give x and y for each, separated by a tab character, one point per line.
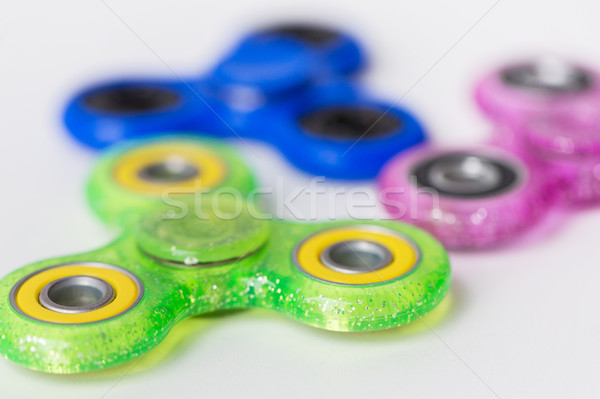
287	85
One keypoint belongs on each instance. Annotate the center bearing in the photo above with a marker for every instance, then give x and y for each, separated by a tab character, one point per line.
547	76
312	34
356	256
216	232
131	99
171	170
76	294
350	122
178	166
466	175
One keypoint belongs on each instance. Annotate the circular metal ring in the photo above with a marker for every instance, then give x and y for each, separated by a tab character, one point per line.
313	34
171	170
316	255
26	295
132	99
154	168
356	256
350	122
76	294
547	76
467	175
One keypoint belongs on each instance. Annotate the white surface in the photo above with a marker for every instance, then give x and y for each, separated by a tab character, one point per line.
524	320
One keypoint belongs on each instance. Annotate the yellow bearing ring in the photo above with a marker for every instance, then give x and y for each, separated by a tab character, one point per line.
209	166
404	254
128	290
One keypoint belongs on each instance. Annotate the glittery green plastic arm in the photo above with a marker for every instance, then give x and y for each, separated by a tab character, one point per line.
340	307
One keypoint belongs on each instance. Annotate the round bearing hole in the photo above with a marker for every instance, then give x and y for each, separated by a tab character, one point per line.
132	99
174	169
549	76
350	122
76	294
312	34
356	256
466	175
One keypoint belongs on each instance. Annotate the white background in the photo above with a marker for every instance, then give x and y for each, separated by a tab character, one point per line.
522	321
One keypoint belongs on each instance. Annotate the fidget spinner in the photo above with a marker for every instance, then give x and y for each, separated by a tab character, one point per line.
519	92
544	150
195	251
568	143
552	108
287	86
136	176
467	198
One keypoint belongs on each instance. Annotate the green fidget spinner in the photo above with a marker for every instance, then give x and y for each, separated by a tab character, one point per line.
206	252
135	177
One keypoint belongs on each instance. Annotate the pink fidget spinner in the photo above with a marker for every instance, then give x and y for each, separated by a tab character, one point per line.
469	198
519	92
568	142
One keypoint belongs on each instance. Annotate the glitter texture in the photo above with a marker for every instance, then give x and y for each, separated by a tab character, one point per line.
116	204
467	223
513	106
266	278
203	260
